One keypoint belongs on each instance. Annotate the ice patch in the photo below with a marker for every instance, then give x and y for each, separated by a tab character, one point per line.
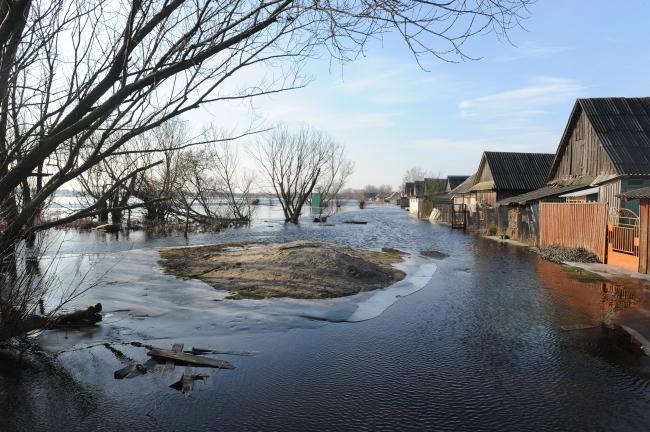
418	274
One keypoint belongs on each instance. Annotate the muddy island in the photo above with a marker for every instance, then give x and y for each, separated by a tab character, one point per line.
300	269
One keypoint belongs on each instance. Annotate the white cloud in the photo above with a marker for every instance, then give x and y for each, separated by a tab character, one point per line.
529	50
529	101
446	144
538	140
305	112
387	82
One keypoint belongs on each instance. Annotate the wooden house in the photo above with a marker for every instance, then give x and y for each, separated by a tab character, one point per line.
453	181
504	174
604	152
421	204
606	142
409	189
416	196
463	200
443	202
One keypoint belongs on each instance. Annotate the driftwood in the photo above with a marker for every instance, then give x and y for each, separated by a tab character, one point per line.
109	228
176	348
89	316
189	359
184	382
200	351
85	317
133	370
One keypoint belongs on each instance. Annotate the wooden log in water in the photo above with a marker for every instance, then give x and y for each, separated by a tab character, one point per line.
85	317
88	316
190	359
176	348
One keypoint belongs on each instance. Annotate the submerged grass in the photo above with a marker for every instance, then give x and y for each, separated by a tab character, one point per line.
582	275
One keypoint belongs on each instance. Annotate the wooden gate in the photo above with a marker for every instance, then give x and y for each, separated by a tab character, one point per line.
623	239
459	216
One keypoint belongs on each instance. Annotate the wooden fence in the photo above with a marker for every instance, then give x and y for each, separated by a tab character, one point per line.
574	225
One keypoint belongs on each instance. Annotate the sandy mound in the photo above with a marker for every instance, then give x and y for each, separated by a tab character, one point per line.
298	269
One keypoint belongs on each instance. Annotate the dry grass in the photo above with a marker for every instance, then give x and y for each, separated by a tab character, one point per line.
298	269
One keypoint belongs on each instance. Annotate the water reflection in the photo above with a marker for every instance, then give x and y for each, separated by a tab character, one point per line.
479	347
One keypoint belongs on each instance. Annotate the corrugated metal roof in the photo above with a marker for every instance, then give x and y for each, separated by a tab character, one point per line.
456	180
518	171
623	128
553	189
582	192
464	187
545	192
641	193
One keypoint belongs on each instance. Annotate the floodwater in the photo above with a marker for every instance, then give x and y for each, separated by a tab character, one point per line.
472	342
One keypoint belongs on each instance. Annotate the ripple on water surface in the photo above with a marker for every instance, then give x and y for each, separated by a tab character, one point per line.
478	348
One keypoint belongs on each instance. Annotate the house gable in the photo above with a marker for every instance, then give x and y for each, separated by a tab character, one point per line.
580	152
484	173
605	137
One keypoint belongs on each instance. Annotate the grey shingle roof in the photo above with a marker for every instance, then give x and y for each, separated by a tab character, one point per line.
519	171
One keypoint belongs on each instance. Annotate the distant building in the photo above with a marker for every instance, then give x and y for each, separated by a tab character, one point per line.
443	203
453	181
421	202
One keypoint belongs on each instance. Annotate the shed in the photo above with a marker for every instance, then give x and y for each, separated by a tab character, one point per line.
607	139
504	174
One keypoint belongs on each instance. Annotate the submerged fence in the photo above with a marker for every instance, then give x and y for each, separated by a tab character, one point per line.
574	225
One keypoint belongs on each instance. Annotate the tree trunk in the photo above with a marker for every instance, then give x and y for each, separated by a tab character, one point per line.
103	216
116	217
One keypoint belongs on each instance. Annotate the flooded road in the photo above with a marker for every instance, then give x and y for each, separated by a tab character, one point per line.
472	342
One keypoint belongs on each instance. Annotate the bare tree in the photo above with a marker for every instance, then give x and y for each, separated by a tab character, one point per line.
415	173
295	162
81	79
335	174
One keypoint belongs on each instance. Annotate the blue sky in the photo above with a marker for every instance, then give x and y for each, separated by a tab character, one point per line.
392	115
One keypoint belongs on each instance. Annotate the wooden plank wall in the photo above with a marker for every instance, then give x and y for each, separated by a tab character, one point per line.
644	236
574	225
608	191
583	154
